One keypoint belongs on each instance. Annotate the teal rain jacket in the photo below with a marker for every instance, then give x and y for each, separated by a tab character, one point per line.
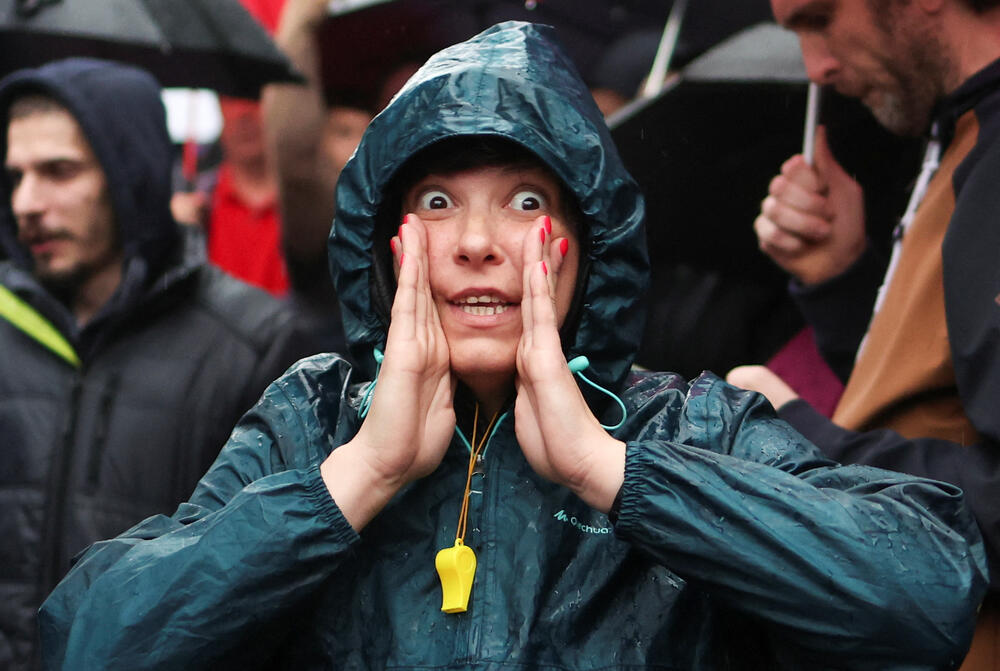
736	544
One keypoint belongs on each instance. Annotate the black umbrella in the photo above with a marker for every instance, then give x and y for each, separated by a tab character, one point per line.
705	149
363	41
212	44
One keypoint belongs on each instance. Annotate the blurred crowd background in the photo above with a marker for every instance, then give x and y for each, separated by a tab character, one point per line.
703	149
257	165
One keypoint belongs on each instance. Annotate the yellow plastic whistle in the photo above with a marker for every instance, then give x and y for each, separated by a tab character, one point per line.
456	566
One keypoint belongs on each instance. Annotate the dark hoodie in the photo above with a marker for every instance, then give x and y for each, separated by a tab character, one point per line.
736	544
166	367
121	115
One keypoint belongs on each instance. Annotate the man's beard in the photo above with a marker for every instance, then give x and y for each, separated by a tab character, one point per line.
918	74
62	284
899	115
906	108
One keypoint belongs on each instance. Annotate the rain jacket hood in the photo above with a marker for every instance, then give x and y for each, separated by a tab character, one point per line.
512	82
120	112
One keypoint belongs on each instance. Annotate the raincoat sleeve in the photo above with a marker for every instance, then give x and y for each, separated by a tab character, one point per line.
845	566
975	468
224	576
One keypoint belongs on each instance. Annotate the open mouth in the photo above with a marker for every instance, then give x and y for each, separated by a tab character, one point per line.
482	305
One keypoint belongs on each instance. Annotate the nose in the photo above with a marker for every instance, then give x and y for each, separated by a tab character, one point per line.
821	65
27	196
477	241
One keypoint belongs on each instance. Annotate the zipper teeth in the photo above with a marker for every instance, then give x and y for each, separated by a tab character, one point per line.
106	403
55	517
488	473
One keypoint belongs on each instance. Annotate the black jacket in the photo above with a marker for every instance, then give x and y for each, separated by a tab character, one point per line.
166	368
841	308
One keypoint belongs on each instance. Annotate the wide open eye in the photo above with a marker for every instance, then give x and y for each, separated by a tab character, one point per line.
527	201
434	200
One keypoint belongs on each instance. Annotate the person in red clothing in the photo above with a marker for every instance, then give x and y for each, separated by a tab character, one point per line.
240	211
244	230
239	208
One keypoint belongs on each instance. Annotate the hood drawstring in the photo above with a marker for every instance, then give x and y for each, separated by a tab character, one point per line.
581	363
366	400
576	366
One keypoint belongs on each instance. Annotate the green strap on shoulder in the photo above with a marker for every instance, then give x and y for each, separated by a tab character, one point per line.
26	318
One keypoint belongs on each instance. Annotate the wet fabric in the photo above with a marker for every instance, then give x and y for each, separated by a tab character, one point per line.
735	545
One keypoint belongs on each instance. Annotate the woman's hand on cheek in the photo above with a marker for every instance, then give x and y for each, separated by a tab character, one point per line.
411	419
560	437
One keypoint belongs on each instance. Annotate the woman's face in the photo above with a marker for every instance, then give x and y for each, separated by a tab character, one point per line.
477	222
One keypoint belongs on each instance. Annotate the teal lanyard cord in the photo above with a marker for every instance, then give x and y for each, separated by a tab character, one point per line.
366	400
581	363
576	366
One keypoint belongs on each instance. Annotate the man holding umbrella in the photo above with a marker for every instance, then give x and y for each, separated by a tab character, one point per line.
124	358
921	355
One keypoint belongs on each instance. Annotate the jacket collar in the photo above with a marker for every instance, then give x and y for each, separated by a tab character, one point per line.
971	92
135	292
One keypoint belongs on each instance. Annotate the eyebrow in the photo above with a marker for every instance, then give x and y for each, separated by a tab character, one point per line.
805	16
55	160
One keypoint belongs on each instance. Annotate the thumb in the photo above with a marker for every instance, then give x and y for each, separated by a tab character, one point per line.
823	160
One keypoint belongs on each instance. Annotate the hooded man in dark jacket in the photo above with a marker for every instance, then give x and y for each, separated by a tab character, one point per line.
124	358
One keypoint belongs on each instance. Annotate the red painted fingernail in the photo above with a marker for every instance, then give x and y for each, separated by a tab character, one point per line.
392	245
548	224
564	246
401	257
542	234
545	269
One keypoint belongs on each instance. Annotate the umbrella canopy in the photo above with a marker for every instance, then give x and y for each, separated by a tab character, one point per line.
211	44
705	149
363	41
763	53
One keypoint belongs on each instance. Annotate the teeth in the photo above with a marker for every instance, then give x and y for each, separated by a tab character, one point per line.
472	300
482	310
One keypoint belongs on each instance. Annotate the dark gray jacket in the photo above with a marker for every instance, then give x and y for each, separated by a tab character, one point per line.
166	368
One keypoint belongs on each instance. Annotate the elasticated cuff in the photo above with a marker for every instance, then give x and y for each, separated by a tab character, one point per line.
327	508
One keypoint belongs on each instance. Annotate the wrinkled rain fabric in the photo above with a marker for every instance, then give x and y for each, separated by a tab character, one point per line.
736	545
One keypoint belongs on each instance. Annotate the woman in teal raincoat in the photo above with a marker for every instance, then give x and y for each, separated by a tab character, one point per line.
486	502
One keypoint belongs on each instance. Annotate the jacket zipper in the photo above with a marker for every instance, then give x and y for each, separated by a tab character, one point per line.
482	484
105	404
55	510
